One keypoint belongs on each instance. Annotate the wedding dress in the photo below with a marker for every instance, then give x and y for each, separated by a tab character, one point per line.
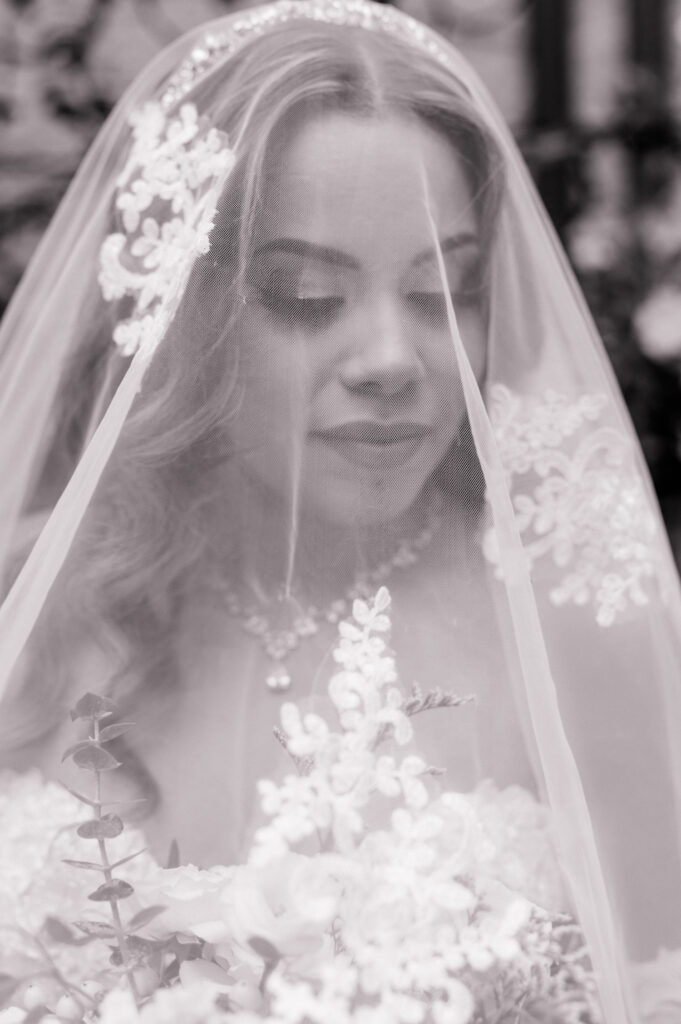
301	330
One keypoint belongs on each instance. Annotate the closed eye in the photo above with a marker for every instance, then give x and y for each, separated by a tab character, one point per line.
432	305
308	314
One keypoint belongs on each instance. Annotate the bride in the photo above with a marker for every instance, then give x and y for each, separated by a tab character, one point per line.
299	330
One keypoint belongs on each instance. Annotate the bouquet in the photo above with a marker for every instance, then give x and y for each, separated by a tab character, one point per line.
370	896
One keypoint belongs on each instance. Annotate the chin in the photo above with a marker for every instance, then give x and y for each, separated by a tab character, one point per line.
372	505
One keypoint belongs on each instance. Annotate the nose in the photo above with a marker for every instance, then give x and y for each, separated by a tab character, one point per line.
384	361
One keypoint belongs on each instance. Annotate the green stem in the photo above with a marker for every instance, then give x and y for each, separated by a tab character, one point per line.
108	877
52	971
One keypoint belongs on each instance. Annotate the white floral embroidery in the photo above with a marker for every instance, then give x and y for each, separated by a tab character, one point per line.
580	503
166	199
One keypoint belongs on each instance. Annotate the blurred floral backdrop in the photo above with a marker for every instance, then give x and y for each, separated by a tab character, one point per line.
617	156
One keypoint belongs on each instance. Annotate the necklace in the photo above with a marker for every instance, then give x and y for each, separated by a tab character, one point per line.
278	644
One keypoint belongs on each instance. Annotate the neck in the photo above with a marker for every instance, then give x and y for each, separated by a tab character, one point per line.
272	553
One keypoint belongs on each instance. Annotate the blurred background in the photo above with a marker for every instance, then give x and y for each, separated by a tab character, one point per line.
591	89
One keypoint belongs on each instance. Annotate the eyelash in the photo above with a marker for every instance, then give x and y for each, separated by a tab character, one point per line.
432	305
316	314
312	314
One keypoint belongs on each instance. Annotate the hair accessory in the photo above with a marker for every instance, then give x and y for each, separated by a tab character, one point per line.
279	643
166	198
216	45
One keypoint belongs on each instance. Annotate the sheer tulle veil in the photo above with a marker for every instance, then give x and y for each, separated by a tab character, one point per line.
300	327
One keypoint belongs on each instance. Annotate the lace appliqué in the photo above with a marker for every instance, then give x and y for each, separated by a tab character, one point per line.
166	198
578	500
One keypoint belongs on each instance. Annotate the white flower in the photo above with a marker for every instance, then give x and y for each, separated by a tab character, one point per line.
410	913
597	241
189	894
409	774
193	1004
180	1004
304	735
459	1007
206	973
290	903
295	1000
12	1015
658	324
118	1007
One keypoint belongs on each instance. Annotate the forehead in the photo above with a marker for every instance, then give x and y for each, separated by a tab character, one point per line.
375	188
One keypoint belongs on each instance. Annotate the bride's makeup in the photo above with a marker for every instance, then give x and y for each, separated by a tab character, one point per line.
345	338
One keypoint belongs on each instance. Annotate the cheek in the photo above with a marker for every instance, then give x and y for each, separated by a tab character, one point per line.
440	353
274	372
473	330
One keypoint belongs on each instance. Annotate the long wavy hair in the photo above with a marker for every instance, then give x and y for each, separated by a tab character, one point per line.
141	552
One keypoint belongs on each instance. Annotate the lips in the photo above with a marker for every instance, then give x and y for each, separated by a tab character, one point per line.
376	432
376	444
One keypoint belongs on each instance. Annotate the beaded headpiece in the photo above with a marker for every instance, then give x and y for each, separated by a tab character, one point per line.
220	43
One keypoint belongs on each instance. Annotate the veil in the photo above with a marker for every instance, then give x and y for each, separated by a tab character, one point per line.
301	328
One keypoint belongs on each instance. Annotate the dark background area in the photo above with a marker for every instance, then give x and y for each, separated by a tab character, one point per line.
591	89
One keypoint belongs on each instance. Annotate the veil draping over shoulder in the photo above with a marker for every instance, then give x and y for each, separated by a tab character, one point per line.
301	328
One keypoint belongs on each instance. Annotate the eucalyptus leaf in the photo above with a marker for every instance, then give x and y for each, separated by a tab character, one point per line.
94	758
59	932
87	865
96	929
124	803
143	917
107	827
140	951
173	860
112	732
264	948
116	889
131	856
94	707
75	747
139	946
79	796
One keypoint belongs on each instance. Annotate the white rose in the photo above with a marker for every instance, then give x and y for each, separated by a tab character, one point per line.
190	895
290	903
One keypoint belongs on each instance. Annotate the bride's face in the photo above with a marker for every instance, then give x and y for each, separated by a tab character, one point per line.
351	394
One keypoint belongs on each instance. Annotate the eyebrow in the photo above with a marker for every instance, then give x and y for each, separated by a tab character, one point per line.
300	247
450	244
338	258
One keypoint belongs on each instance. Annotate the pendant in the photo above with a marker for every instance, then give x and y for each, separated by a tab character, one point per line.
278	680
